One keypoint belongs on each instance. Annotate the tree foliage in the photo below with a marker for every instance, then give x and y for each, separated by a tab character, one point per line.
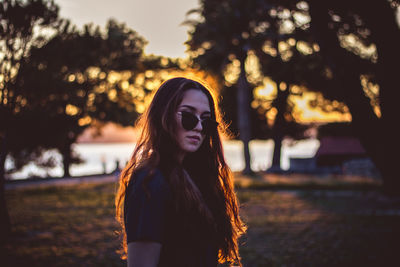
70	81
358	49
230	33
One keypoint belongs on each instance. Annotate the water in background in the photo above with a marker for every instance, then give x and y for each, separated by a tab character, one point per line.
104	156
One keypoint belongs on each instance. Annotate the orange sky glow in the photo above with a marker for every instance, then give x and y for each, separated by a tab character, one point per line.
114	133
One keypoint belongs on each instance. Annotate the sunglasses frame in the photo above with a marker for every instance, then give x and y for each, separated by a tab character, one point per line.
209	125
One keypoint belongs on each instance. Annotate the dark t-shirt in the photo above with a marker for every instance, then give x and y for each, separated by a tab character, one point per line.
155	219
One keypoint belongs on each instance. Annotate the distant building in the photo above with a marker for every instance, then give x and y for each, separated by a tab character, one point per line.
338	155
333	151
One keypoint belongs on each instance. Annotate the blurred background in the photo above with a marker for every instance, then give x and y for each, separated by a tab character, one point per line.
307	88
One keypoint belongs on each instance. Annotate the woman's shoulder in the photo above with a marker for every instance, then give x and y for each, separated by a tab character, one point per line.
153	179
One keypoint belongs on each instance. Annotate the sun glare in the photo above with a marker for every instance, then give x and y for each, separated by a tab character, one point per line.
266	91
303	112
71	110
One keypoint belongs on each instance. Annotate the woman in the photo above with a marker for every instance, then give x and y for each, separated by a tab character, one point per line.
176	203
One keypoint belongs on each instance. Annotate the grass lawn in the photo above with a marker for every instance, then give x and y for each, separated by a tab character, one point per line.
75	226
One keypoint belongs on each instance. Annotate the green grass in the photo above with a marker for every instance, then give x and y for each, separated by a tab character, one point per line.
75	226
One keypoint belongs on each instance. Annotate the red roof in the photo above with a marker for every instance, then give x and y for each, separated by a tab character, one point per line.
340	146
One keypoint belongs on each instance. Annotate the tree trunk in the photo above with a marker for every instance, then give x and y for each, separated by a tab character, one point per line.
385	33
67	156
371	132
364	121
280	103
276	158
5	229
243	115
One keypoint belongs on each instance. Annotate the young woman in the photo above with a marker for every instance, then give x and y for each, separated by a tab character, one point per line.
176	203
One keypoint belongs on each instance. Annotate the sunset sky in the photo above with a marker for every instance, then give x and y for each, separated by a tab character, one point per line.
156	20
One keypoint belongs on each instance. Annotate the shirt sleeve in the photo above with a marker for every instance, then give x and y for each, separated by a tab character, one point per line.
145	217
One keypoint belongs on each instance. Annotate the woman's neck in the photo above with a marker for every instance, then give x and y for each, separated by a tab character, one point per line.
181	157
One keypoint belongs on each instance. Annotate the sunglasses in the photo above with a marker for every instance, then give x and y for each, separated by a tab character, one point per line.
190	121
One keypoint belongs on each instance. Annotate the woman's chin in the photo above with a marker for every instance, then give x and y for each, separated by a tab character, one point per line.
191	148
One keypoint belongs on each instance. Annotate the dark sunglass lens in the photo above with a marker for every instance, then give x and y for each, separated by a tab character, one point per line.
189	121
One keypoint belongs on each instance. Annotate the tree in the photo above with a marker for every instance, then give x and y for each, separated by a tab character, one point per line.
221	37
229	31
283	63
355	50
77	86
359	42
354	47
53	96
375	132
18	22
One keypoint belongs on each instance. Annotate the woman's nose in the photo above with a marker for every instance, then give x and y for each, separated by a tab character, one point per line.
199	126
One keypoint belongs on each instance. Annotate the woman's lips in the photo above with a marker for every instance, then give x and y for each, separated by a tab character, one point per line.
194	138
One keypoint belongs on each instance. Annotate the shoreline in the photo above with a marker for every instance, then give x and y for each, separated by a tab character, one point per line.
60	181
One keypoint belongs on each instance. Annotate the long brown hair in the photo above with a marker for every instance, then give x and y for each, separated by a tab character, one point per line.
203	182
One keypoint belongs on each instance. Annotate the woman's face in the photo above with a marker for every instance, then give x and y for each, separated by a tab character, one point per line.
195	102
